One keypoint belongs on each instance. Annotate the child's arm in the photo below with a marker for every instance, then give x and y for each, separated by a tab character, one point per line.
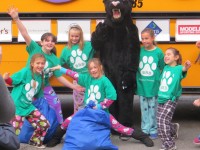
198	44
7	78
186	66
68	72
13	12
67	83
196	102
105	104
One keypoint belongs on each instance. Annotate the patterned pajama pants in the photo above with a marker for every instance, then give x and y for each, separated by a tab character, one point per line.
148	114
166	128
78	98
39	123
54	102
114	125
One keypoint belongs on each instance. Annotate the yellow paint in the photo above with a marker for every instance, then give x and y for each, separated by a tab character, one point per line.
15	55
97	6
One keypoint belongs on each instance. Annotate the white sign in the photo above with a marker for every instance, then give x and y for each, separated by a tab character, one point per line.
5	31
160	27
187	30
64	25
35	28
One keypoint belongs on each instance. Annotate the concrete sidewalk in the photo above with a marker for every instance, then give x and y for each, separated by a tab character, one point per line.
186	115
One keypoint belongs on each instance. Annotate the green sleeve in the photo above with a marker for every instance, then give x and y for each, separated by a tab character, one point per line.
161	60
32	47
62	57
18	77
56	73
110	90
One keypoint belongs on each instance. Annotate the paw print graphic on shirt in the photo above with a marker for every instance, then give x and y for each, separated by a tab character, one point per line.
93	94
147	66
78	59
47	72
166	80
30	89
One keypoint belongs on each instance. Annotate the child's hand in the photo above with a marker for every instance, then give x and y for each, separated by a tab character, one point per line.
187	65
196	102
198	44
6	76
55	68
13	12
79	88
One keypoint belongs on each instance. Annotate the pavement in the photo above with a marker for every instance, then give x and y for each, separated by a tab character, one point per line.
186	115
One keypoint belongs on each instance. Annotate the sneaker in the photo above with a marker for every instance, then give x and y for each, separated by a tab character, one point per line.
177	126
40	146
153	136
124	137
196	141
172	148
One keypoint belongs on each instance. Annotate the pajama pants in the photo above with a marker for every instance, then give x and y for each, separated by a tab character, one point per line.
148	108
39	123
54	102
114	125
78	98
166	128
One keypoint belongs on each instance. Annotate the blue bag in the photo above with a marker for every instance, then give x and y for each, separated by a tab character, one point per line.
89	129
27	130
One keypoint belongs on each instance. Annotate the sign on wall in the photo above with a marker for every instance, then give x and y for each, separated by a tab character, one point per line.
160	27
187	30
35	28
64	25
5	31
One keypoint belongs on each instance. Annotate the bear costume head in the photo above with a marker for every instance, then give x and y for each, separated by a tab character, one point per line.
118	11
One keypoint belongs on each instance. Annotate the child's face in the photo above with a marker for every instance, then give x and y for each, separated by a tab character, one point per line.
48	44
38	65
95	70
74	35
147	40
170	58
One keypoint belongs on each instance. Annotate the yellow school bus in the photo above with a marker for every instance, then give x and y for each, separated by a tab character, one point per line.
15	55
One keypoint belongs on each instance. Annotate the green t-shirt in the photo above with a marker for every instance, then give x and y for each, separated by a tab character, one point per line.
51	61
23	90
148	75
97	89
170	84
76	59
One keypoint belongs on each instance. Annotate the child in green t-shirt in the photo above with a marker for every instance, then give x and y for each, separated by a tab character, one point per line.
76	55
169	91
99	89
27	83
47	48
148	75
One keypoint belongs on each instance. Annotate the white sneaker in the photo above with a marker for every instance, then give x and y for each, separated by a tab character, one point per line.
172	148
177	126
41	146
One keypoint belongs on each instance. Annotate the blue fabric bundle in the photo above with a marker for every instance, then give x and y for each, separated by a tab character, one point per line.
89	129
27	130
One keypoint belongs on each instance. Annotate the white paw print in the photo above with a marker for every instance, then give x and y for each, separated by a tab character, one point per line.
147	65
30	89
166	81
47	72
93	94
78	59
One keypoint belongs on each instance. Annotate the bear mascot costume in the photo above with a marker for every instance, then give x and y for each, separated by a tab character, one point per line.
116	42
